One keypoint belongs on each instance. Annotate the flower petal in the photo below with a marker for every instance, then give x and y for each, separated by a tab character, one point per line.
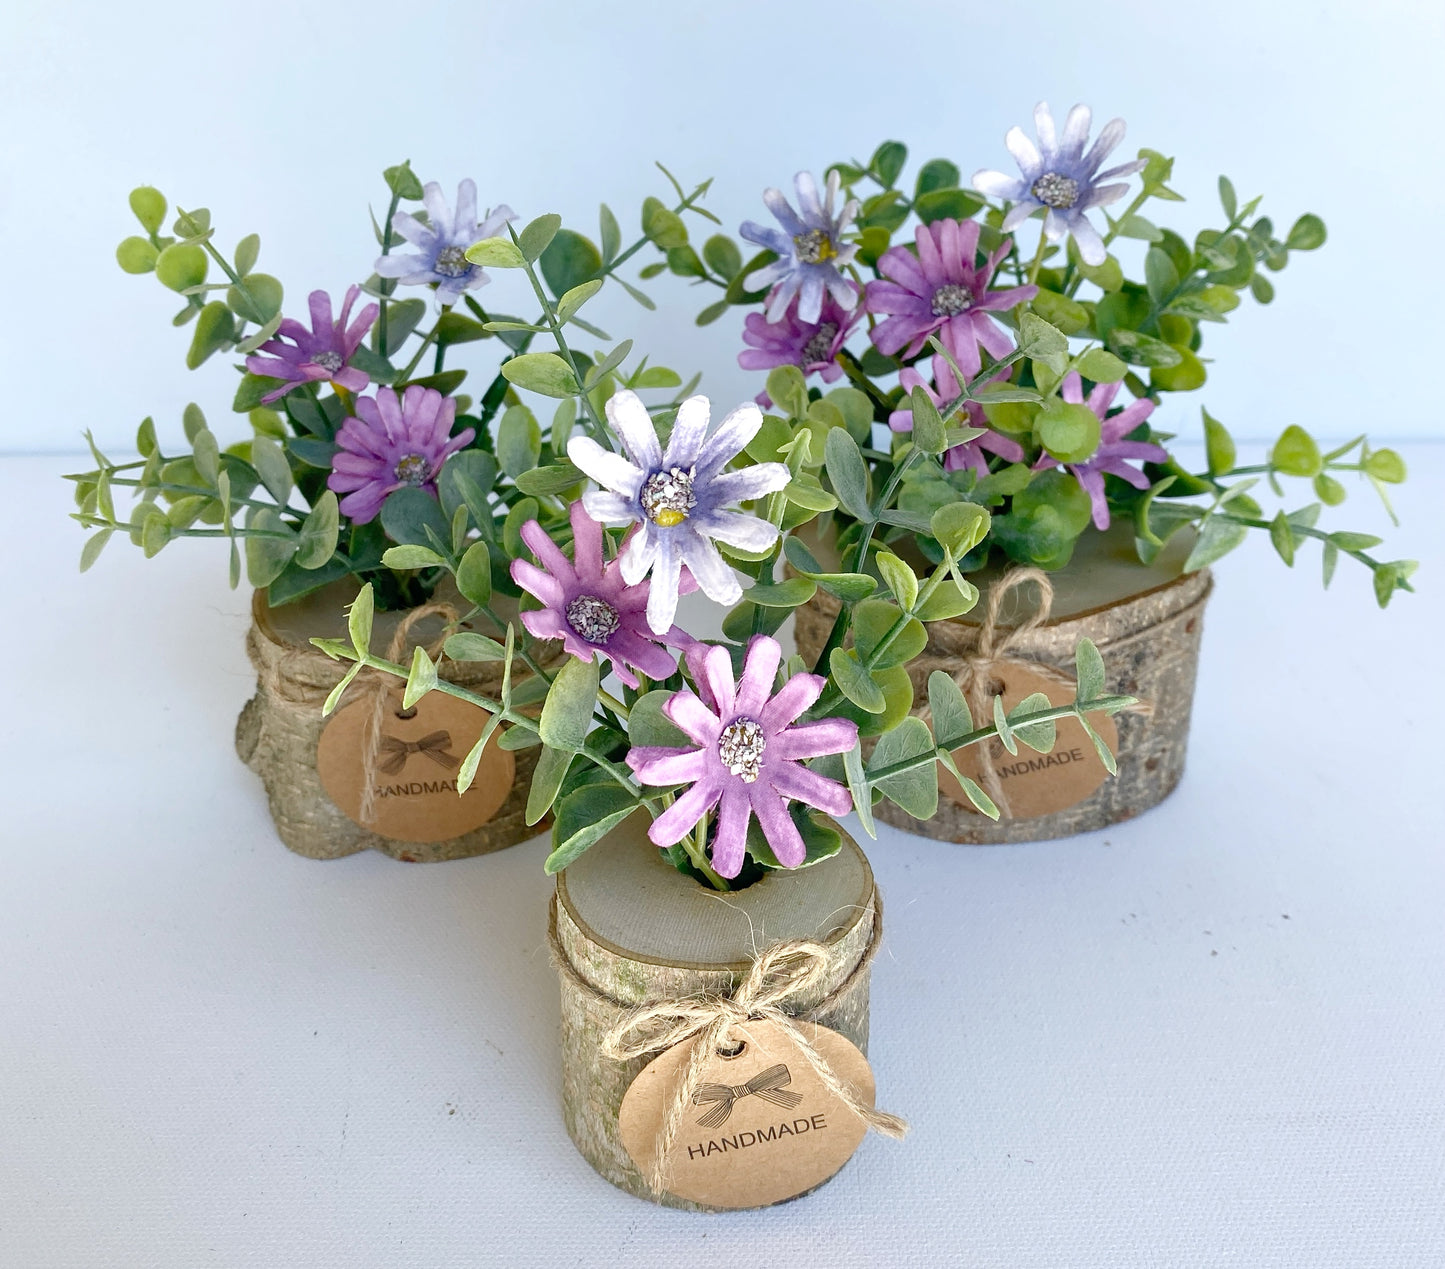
998	185
1025	153
802	785
678	820
609	508
688	712
777	825
796	695
736	528
716	671
730	845
610	470
688	432
632	423
662	598
715	577
760	669
732	435
814	740
668	766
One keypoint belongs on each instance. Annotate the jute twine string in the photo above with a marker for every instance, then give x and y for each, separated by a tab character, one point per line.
380	686
981	666
790	967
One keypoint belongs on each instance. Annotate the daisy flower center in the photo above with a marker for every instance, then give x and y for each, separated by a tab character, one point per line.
594	619
951	299
820	347
667	497
741	748
1053	189
412	469
329	361
451	262
814	247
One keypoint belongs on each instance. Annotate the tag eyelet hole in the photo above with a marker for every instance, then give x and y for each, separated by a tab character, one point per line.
729	1051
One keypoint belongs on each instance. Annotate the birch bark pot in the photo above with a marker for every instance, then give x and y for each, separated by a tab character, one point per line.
280	728
639	932
1147	621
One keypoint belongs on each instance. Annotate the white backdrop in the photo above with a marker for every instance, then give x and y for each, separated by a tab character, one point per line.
280	118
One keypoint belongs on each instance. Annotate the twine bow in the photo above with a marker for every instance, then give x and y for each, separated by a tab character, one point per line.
770	1085
785	969
393	751
976	676
382	687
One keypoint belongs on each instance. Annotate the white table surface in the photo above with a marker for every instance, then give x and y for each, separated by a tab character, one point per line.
1213	1036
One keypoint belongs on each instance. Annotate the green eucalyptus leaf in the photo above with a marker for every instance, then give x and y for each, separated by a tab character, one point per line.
914	791
584	817
519	440
496	253
547	779
316	543
421	680
1217	537
1296	453
468	646
542	372
952	720
567	714
1219	445
537	236
900	579
848	473
407	557
474	574
1101	366
854	681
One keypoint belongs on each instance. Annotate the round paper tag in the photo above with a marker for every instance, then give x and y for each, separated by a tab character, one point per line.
761	1127
1037	783
415	776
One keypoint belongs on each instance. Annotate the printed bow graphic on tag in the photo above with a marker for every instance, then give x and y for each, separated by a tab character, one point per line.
770	1085
393	752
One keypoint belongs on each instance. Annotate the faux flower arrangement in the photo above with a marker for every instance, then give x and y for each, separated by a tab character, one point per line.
361	437
1029	344
404	481
721	744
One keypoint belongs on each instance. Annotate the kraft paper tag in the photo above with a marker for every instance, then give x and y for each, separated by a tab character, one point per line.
1037	783
415	773
761	1127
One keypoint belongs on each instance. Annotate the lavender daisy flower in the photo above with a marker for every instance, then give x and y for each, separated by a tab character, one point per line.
1114	451
323	352
390	444
442	245
1059	177
943	289
972	453
680	497
588	605
811	346
750	760
809	247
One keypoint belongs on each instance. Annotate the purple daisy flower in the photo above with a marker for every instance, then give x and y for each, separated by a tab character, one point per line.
442	245
811	346
588	605
943	289
323	352
970	453
1114	451
392	443
809	247
680	497
751	756
1060	178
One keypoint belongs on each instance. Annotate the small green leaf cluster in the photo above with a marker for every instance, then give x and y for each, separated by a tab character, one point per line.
181	261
